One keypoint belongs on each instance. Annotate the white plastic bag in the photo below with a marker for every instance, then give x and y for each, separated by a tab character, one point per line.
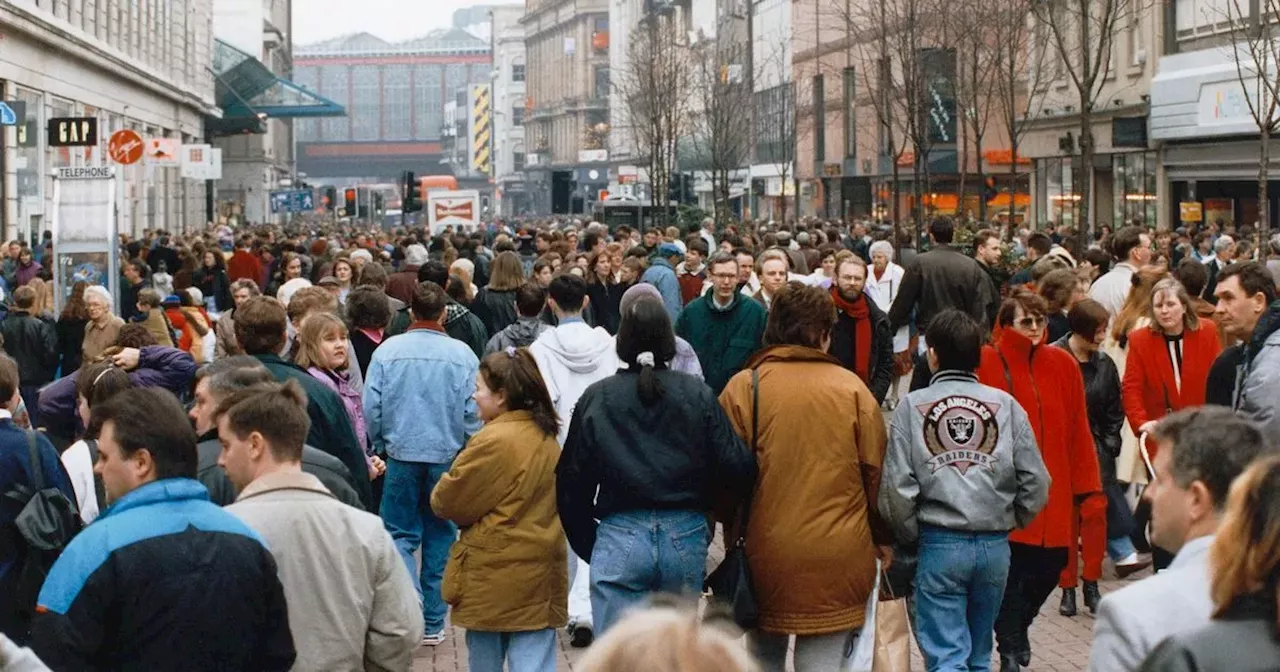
864	650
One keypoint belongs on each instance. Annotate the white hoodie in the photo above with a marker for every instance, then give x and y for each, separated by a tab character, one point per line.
571	357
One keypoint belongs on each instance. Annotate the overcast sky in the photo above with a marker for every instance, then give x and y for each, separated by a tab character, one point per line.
392	20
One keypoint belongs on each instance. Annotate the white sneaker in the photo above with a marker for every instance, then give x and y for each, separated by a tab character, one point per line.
433	638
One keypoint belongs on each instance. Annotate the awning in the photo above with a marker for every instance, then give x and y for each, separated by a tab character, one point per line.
248	92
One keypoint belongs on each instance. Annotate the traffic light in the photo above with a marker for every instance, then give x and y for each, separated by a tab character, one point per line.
412	193
330	198
349	202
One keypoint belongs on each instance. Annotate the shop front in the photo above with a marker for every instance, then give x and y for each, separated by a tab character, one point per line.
1212	150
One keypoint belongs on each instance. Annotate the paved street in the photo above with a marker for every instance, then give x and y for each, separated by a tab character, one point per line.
1060	644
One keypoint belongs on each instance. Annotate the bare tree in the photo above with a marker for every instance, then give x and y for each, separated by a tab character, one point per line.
977	55
1082	36
656	88
1018	77
722	128
779	109
1255	49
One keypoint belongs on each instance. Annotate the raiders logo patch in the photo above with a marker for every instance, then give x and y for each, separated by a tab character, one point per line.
960	432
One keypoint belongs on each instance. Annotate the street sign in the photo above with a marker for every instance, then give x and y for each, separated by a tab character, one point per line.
125	147
292	200
73	132
13	113
163	151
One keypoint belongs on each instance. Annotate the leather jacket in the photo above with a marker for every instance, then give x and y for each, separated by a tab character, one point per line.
1106	414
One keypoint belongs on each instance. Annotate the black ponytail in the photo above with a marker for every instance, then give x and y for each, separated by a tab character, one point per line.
645	334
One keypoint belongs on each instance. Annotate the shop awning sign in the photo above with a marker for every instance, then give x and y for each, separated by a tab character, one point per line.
12	113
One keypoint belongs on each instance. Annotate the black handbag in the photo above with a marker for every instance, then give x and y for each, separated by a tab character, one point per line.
732	590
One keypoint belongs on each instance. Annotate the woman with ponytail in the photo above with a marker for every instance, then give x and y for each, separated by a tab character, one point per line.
649	454
507	576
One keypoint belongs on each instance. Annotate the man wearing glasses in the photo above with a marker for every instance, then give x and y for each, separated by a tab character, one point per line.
1132	246
724	326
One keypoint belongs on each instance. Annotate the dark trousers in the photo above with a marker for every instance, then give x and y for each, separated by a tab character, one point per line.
1033	574
30	398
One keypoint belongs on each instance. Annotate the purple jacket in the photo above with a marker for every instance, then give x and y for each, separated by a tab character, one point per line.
158	366
24	274
340	383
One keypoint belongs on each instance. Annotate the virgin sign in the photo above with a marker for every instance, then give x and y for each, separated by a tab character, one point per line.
125	147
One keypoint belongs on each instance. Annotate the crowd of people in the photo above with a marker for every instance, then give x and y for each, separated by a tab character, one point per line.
319	449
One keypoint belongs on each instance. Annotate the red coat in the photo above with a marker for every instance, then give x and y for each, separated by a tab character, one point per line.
179	322
691	285
244	264
1048	386
1149	390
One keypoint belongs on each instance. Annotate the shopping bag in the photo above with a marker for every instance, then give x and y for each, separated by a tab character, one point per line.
893	637
862	658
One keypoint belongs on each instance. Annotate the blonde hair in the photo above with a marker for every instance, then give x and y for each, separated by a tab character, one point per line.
1190	321
311	332
1138	305
1245	558
664	639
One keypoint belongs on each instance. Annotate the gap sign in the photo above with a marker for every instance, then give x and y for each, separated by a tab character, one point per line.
73	132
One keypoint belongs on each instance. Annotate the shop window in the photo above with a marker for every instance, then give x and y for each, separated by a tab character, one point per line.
1058	201
1135	188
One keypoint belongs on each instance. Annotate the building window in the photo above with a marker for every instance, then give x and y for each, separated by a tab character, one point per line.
398	102
517	72
334	85
517	161
1193	18
517	115
601	89
850	114
1058	201
1135	188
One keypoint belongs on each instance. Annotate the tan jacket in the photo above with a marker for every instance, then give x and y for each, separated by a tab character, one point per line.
820	447
99	338
156	323
352	605
225	328
508	571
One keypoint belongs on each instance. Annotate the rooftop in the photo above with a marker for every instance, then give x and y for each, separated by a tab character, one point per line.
437	42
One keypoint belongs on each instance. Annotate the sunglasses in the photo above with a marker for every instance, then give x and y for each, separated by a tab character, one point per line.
1032	322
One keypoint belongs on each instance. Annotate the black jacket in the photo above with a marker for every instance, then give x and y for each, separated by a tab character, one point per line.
496	308
33	344
213	283
464	325
164	580
70	343
129	298
939	279
678	454
1220	388
880	375
1102	397
606	305
330	470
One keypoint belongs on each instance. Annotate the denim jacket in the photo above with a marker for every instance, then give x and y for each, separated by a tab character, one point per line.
417	396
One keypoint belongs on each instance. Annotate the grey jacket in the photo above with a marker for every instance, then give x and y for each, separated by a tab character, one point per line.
1133	620
961	456
352	605
519	334
1258	380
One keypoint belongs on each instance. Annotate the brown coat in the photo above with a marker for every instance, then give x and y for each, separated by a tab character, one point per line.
508	571
821	443
225	333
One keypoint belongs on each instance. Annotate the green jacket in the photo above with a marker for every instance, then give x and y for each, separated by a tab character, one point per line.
724	339
331	429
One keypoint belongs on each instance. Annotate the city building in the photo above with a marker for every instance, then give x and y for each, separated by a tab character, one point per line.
252	67
773	156
395	96
1125	172
1201	117
139	66
567	47
509	100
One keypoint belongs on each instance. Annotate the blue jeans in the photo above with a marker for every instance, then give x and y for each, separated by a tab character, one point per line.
407	515
960	582
643	552
522	651
1120	548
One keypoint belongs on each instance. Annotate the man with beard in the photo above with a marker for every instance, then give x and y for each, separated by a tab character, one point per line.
861	338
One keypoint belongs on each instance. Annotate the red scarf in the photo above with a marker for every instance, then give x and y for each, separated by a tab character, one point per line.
861	315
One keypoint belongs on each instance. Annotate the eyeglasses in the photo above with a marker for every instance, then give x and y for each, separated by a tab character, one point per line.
1031	322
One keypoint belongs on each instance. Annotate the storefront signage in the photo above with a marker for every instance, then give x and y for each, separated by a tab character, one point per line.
592	155
73	132
13	113
163	151
90	173
1223	103
125	147
1190	211
831	169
